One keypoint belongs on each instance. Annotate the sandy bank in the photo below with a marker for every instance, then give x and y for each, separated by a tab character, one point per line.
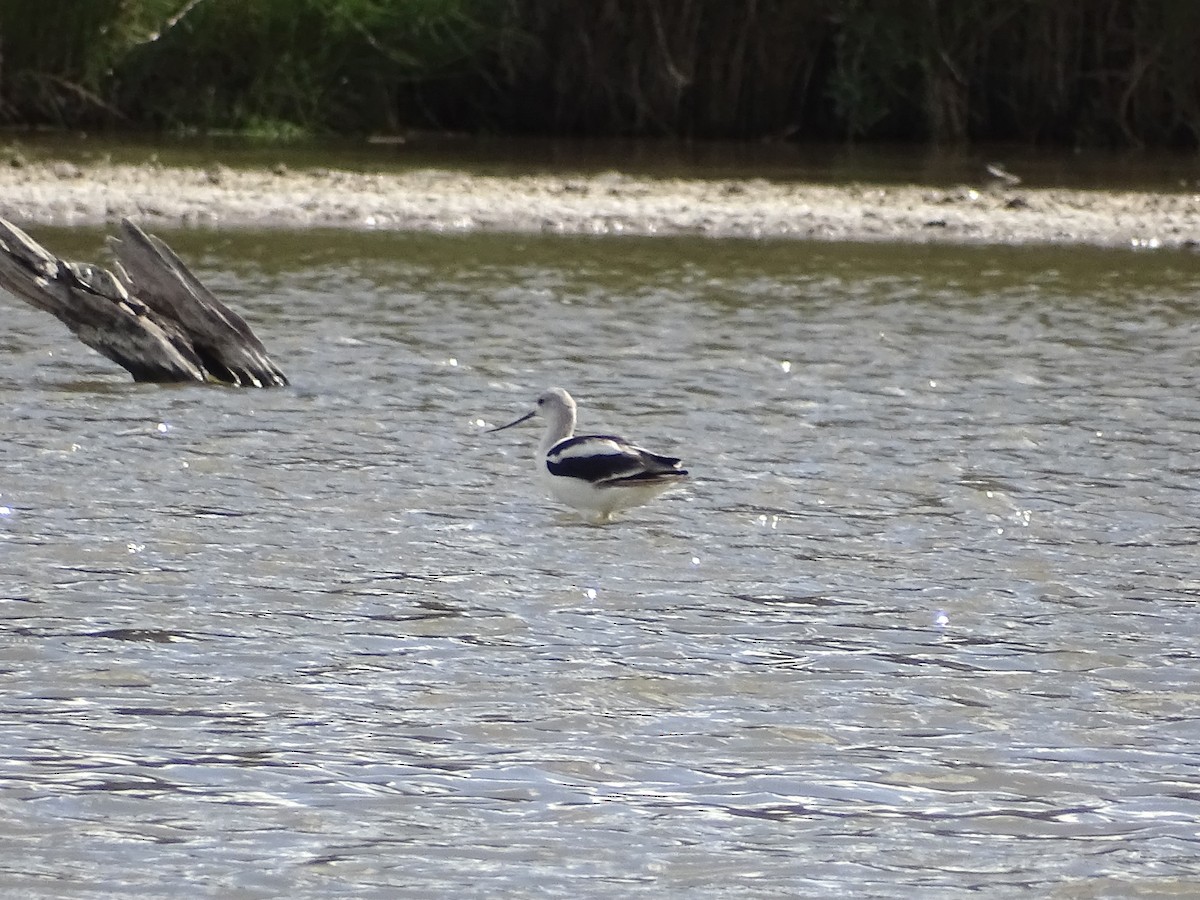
435	200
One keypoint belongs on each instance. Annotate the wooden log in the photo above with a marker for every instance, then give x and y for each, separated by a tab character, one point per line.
150	315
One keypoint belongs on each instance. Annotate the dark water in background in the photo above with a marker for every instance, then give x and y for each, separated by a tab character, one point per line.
924	622
778	161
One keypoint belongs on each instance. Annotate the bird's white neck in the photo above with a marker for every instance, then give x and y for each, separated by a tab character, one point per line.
559	426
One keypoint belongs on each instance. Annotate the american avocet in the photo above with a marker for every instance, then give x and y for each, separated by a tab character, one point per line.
597	474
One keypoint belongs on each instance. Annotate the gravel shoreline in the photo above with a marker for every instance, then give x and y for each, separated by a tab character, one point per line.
65	194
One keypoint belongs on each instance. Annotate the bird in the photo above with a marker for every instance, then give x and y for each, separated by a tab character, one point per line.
595	474
1001	175
150	314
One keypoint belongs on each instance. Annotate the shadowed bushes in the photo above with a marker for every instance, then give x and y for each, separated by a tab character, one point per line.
55	57
1111	72
311	64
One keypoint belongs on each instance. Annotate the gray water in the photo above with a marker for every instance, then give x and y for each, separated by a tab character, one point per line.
922	624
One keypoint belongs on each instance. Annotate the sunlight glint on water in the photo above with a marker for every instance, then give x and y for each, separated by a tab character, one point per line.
922	620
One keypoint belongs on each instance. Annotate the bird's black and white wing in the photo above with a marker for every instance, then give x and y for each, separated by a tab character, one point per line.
605	460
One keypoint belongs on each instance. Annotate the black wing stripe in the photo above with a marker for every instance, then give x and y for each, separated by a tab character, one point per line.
604	459
648	478
594	467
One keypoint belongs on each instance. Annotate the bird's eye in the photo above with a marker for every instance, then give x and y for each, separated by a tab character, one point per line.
541	401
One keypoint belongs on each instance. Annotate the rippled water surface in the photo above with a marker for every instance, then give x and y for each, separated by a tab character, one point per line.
922	625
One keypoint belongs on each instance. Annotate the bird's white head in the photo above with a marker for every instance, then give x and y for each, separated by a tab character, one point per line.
556	405
557	408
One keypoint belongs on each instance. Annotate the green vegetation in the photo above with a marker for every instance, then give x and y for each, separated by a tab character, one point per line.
1073	72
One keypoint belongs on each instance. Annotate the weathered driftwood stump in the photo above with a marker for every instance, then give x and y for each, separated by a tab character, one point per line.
150	314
